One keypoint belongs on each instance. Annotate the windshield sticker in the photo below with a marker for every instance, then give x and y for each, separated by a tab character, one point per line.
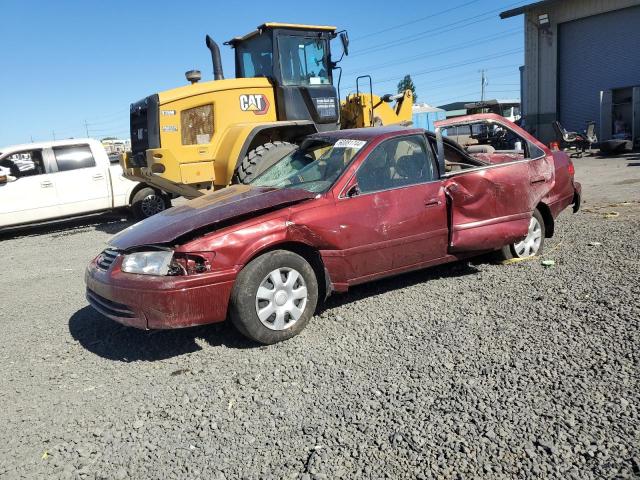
346	143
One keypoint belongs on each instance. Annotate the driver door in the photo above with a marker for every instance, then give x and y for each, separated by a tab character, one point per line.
392	216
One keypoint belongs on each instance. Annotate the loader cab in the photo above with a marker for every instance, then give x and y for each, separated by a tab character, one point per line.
297	60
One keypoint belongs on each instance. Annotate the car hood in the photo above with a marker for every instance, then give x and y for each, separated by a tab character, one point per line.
230	203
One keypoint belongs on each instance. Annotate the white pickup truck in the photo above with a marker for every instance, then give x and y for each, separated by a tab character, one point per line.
50	180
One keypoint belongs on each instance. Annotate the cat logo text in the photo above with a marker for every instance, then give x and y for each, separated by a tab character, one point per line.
256	103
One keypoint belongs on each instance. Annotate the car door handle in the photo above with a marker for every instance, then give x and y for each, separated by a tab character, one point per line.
432	202
540	179
98	176
46	184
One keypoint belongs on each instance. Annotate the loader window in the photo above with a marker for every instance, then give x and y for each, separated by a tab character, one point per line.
255	57
303	61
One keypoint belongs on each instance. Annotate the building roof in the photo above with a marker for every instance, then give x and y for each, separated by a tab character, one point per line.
453	106
425	107
523	9
495	101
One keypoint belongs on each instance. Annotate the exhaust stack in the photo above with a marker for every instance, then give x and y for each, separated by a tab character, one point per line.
215	58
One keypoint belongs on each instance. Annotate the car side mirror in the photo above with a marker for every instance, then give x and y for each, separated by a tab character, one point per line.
354	191
344	38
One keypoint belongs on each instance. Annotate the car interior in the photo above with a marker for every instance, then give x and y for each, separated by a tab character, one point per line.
455	157
484	142
24	164
396	163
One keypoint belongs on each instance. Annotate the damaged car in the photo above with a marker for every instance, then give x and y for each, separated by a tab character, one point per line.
346	207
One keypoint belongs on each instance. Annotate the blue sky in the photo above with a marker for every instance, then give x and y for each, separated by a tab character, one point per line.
66	62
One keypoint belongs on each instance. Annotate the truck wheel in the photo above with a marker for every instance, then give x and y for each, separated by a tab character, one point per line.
274	297
147	202
530	245
259	159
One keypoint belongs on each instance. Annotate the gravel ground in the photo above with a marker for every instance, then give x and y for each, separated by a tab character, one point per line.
472	370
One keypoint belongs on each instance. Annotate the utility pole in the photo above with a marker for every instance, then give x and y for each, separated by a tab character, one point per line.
86	128
484	82
53	133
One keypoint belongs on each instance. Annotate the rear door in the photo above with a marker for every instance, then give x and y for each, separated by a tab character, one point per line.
31	197
491	206
81	184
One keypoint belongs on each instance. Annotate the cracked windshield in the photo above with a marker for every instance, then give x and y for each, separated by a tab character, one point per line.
314	166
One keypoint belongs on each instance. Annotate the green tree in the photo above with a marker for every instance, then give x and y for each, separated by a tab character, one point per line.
407	84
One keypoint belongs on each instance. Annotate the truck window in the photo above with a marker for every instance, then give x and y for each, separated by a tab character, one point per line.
24	164
73	157
303	61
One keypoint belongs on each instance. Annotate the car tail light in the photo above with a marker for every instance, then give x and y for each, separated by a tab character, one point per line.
192	263
571	169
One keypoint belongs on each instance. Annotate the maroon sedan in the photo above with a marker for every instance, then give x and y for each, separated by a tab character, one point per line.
345	208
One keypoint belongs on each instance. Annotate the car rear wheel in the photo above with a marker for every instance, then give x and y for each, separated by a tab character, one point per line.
147	202
274	297
532	244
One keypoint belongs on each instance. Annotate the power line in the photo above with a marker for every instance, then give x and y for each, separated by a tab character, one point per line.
417	20
434	53
466	79
450	66
470	73
442	29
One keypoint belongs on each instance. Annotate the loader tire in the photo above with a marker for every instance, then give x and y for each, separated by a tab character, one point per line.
259	159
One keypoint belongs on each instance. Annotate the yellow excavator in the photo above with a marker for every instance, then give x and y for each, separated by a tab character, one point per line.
206	135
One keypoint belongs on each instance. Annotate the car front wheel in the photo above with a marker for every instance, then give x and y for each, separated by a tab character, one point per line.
274	297
532	244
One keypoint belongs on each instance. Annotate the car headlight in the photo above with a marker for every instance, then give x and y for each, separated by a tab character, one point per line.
147	263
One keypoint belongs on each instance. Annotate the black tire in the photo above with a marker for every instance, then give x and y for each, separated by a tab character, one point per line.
509	251
244	304
259	159
147	202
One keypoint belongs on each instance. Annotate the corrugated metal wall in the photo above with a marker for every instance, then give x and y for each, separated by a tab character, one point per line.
426	119
595	53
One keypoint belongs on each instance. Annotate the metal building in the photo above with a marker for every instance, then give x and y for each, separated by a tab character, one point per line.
582	63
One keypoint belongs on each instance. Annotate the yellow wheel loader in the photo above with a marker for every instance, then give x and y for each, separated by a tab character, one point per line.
206	135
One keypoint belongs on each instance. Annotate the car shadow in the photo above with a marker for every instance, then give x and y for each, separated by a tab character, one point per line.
110	222
113	341
633	164
110	340
379	287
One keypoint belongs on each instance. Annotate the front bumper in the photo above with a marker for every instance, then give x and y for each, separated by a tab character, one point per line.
154	302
